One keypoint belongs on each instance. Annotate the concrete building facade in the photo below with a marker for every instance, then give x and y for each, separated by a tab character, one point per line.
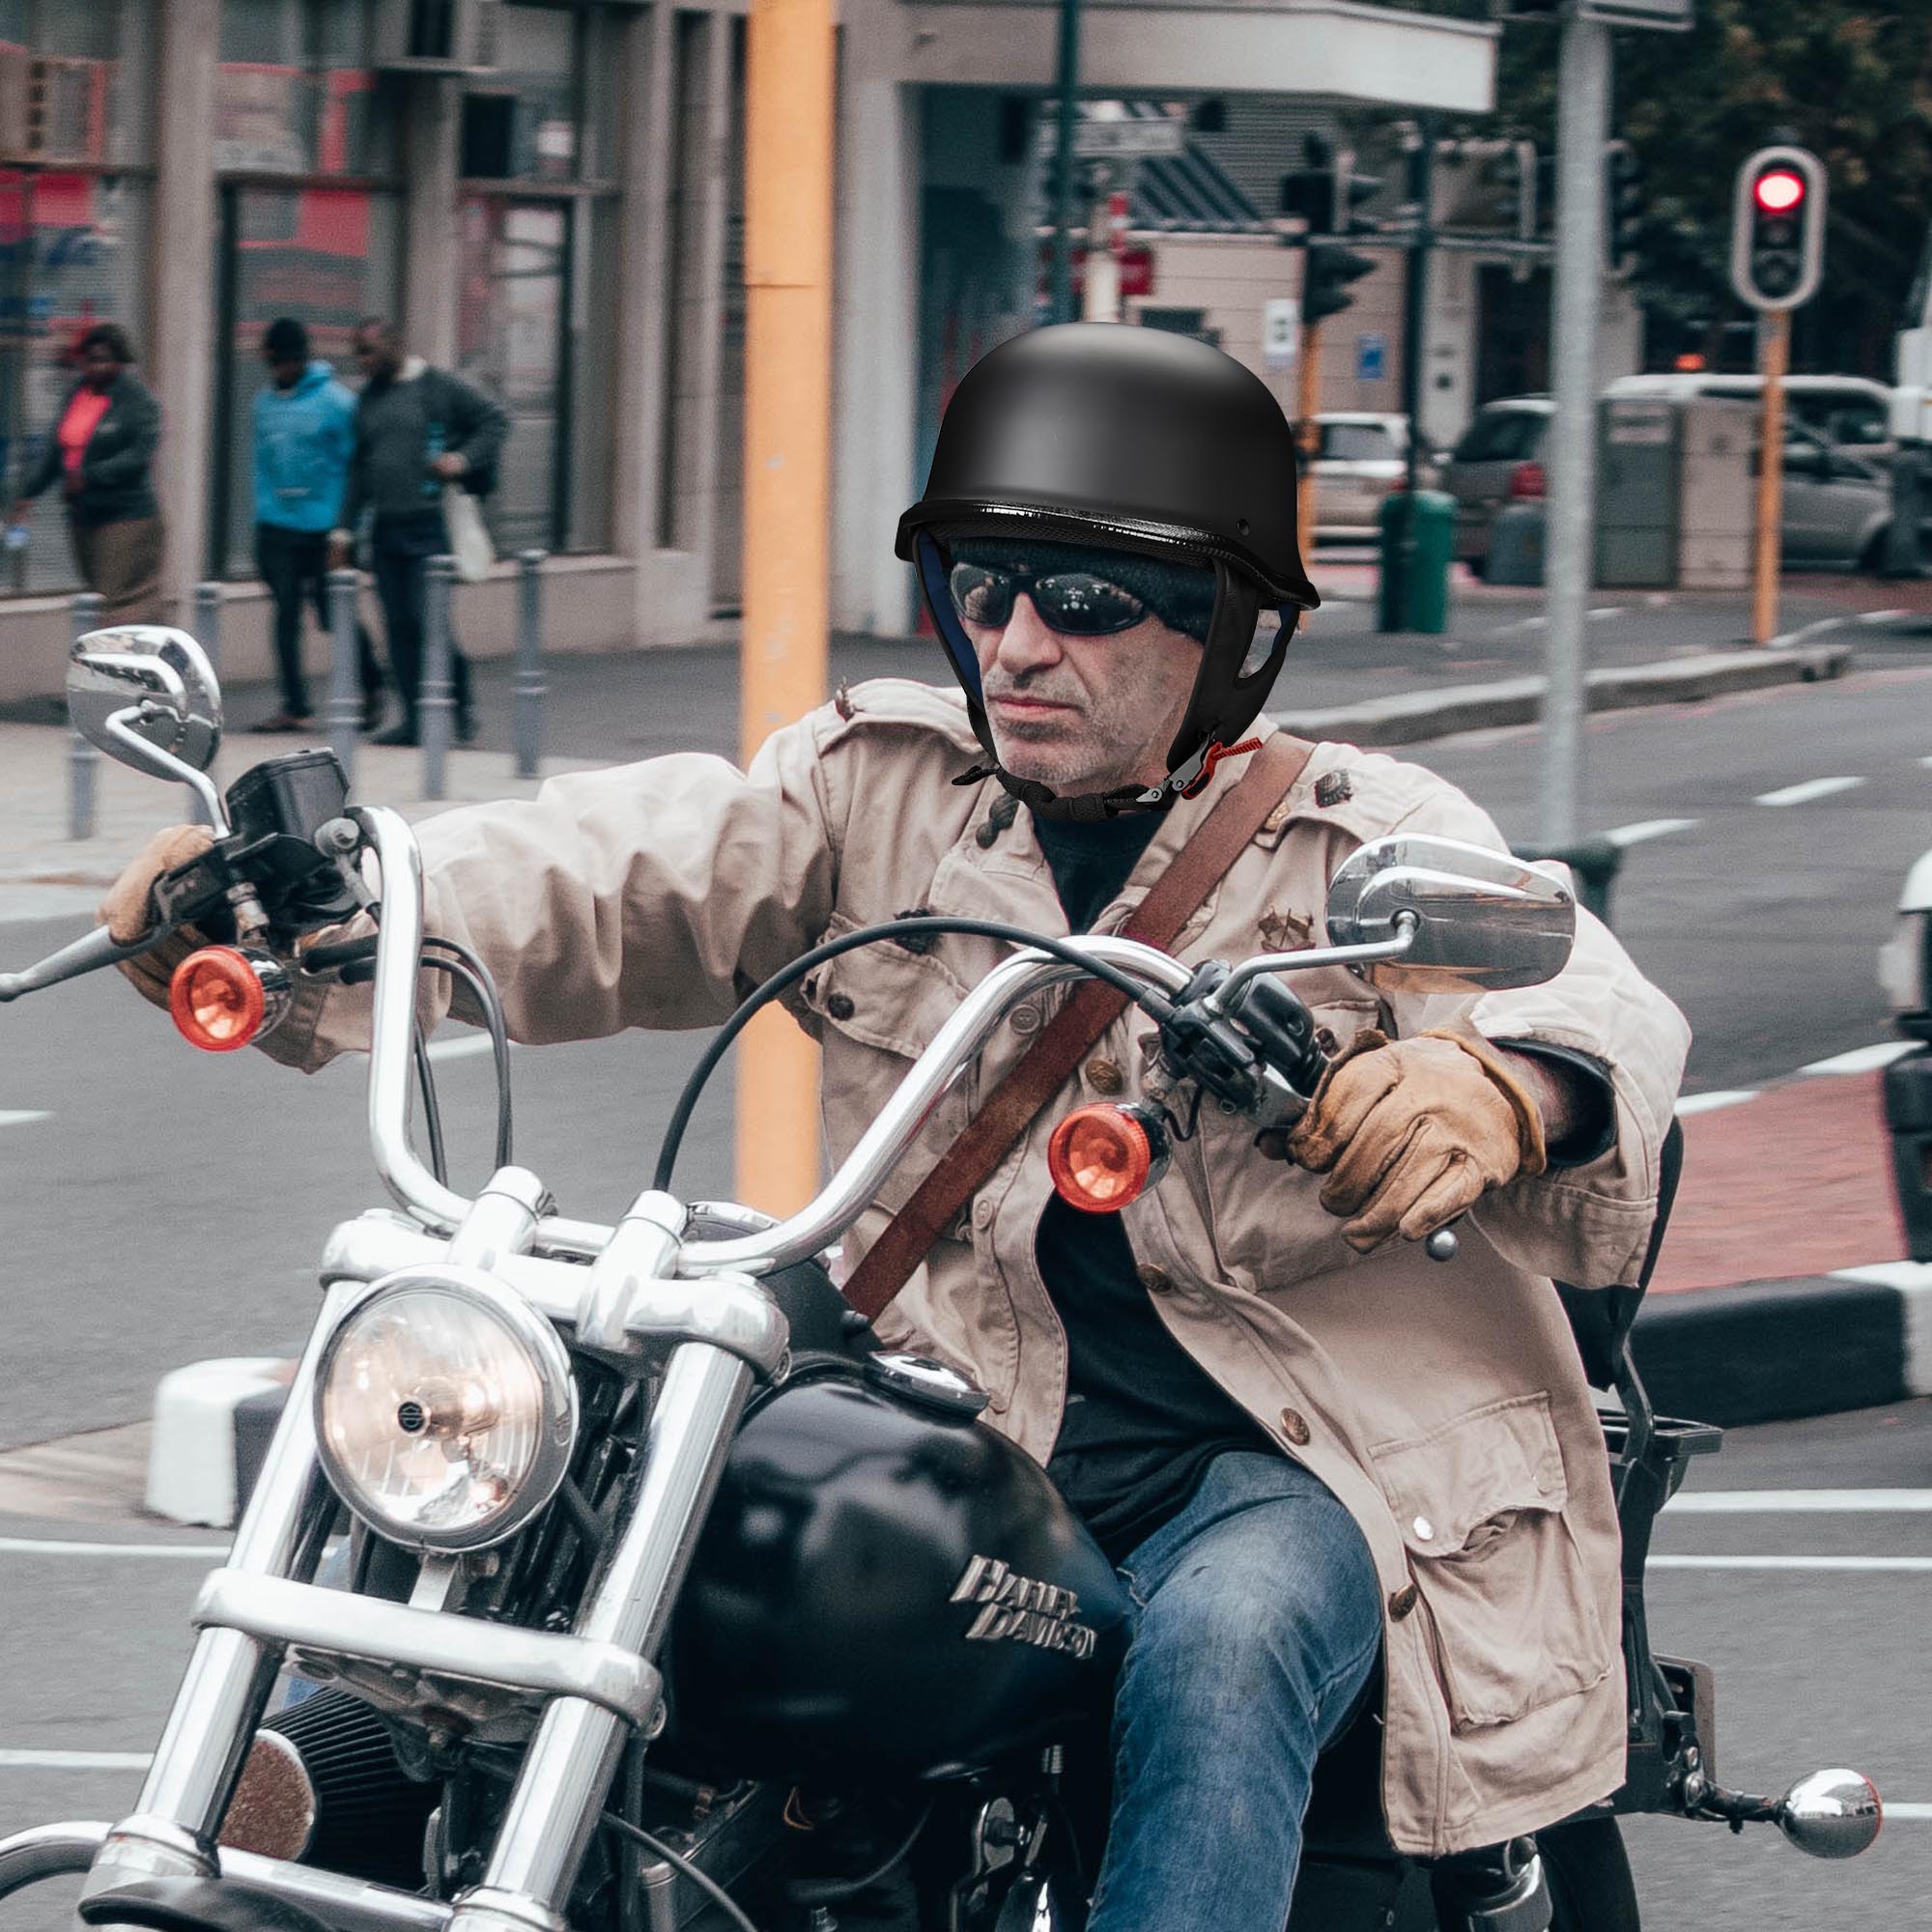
553	207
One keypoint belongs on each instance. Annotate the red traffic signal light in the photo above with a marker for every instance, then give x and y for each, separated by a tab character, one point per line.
1778	228
1780	191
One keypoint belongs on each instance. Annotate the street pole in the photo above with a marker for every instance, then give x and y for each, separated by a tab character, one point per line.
1583	120
1307	437
1064	113
1774	360
1419	188
788	136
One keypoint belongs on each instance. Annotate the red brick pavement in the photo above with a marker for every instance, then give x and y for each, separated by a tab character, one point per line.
1796	1182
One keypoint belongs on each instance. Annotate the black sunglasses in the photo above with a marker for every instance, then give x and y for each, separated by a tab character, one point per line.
1075	602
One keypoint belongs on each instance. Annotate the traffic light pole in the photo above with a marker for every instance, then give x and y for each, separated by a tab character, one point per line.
1583	93
1773	360
1067	89
1419	189
1307	432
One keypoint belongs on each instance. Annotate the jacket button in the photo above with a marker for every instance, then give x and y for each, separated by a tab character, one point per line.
1156	1281
841	1006
1104	1076
1295	1426
1422	1529
1401	1602
1025	1020
983	1213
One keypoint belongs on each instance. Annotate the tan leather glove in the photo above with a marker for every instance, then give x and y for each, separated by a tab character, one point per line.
1413	1132
126	911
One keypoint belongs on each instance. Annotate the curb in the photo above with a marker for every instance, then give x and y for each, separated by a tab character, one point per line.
1413	716
212	1421
1773	1351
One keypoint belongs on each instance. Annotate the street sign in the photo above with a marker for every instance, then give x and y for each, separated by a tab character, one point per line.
1100	139
1371	357
1281	332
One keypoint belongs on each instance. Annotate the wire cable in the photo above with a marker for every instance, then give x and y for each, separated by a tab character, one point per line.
432	1114
872	936
703	1881
465	967
829	1891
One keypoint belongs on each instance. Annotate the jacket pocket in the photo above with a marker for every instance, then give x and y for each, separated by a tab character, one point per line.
1480	1504
875	1011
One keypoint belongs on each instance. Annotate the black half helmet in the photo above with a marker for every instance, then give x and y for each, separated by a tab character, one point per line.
1131	438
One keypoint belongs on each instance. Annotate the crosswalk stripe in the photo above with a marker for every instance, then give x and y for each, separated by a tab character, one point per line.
1706	1103
1862	1058
1805	793
1800	1502
22	1117
75	1760
1648	828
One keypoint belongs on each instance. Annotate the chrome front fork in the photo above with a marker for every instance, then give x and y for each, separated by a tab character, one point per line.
171	1832
567	1771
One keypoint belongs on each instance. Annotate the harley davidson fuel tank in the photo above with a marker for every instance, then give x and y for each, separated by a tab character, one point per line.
885	1589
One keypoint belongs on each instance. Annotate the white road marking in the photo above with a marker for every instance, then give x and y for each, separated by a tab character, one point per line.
1914	1565
71	1760
32	1546
1805	793
1520	625
1709	1103
1913	1814
1880	616
1798	1503
1607	610
1648	828
1785	639
21	1117
1862	1058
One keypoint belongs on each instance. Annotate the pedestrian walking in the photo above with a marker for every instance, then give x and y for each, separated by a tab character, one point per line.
418	429
304	434
100	453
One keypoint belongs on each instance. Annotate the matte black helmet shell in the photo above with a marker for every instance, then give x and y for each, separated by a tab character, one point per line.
1093	429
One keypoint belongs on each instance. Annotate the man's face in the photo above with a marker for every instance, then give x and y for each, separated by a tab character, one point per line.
1083	713
99	366
285	372
377	353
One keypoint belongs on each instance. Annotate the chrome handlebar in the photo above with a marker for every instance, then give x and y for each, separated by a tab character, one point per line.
824	1219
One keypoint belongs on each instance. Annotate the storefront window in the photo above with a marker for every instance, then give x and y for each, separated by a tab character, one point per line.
296	89
546	110
73	248
324	255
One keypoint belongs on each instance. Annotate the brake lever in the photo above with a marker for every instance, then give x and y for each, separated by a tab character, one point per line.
86	954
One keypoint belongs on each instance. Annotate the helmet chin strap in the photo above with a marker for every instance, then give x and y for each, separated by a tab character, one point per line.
1221	706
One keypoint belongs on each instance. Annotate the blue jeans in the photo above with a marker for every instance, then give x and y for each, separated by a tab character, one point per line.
1259	1620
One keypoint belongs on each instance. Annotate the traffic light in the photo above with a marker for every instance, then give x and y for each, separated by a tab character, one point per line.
1309	191
1623	207
1515	180
1350	190
1778	228
1331	267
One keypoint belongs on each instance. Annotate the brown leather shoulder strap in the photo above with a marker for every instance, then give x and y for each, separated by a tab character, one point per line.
1008	1112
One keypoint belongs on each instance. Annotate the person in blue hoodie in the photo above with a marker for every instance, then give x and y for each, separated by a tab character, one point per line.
304	430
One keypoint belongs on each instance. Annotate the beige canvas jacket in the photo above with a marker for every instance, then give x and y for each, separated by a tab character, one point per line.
1442	1404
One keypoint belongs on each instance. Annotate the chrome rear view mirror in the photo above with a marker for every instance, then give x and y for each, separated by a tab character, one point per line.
147	696
1477	919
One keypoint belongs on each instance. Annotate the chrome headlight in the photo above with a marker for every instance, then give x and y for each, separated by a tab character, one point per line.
1903	965
444	1409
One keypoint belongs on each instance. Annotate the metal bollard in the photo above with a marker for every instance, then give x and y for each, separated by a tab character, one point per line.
82	760
527	685
437	706
208	622
208	635
344	711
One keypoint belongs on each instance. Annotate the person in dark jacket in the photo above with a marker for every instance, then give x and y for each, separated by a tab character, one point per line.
100	453
417	429
305	434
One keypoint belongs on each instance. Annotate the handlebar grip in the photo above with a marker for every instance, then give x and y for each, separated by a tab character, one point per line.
86	954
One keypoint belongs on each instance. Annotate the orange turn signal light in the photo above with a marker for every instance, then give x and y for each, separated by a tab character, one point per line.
220	997
1102	1156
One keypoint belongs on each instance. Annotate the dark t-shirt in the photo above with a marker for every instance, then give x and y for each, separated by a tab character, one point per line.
1142	1418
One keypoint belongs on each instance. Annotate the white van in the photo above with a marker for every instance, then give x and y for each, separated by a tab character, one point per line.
1848	411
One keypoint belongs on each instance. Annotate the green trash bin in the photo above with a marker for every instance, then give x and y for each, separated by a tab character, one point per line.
1421	603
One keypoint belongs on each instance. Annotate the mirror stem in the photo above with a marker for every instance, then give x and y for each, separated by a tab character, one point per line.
147	756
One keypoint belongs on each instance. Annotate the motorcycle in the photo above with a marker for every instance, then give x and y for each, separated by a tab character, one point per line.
670	1598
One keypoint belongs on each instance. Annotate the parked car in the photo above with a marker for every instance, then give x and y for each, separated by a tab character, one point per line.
1850	413
1362	458
1498	461
1836	505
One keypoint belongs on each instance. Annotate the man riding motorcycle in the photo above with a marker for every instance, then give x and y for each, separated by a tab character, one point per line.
1308	1448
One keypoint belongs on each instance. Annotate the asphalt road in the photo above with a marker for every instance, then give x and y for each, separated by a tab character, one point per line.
1815	1667
164	1206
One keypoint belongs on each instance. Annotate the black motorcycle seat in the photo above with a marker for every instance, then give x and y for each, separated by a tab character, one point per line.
198	1905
